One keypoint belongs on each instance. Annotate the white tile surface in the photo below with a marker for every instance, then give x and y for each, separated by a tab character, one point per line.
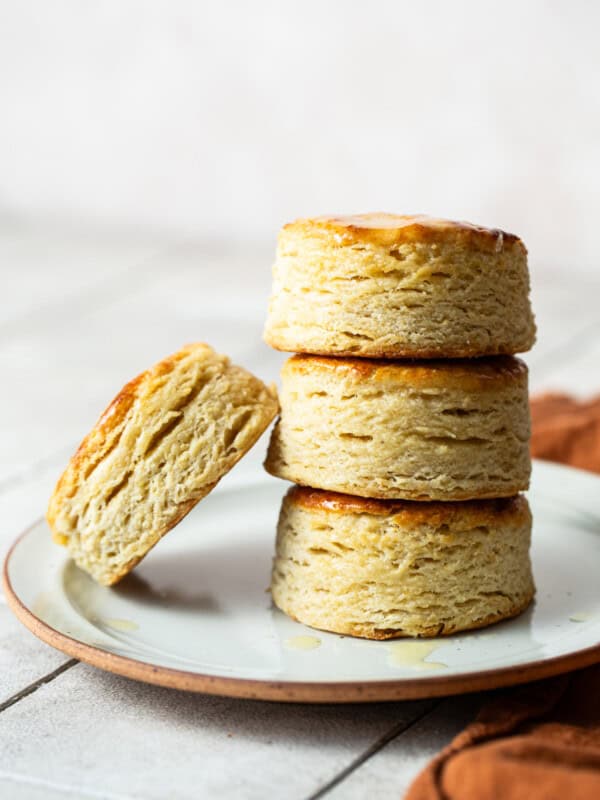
23	658
24	787
579	376
47	271
390	772
24	499
88	729
568	319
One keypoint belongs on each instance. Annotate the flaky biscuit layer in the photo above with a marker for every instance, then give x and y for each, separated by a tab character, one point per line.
390	286
161	446
380	570
446	430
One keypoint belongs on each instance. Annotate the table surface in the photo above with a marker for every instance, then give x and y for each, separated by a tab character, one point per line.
81	313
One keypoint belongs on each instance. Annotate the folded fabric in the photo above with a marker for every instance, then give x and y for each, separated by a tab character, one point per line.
566	430
540	740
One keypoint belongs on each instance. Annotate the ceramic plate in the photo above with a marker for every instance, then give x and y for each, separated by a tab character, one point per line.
196	614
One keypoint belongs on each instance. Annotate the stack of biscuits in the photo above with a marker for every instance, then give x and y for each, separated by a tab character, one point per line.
404	425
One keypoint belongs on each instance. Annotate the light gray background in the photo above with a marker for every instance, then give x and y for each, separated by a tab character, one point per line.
227	119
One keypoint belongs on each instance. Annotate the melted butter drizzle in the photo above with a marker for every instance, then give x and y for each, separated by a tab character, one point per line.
302	643
413	654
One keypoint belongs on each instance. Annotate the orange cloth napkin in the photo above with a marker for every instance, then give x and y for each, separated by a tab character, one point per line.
539	741
566	430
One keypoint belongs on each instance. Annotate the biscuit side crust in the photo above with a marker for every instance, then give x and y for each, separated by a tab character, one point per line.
473	375
410	513
383	576
422	289
449	432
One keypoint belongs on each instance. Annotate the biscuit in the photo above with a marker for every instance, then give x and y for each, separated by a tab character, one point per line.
159	448
389	286
381	570
428	430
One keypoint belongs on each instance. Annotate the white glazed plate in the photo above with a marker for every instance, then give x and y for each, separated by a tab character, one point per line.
196	613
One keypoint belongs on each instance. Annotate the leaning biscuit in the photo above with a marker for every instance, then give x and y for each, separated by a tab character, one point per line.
160	447
390	286
382	570
428	430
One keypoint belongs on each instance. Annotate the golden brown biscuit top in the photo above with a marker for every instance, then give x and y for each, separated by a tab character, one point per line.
468	374
387	230
410	511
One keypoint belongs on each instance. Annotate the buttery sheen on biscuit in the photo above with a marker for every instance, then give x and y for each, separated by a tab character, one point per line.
390	286
161	446
382	570
428	430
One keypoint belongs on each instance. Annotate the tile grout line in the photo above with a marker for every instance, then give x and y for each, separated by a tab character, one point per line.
375	748
15	777
33	687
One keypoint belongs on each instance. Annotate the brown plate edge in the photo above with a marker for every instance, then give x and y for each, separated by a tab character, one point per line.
288	691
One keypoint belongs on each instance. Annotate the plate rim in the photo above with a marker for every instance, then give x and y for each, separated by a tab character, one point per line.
336	692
